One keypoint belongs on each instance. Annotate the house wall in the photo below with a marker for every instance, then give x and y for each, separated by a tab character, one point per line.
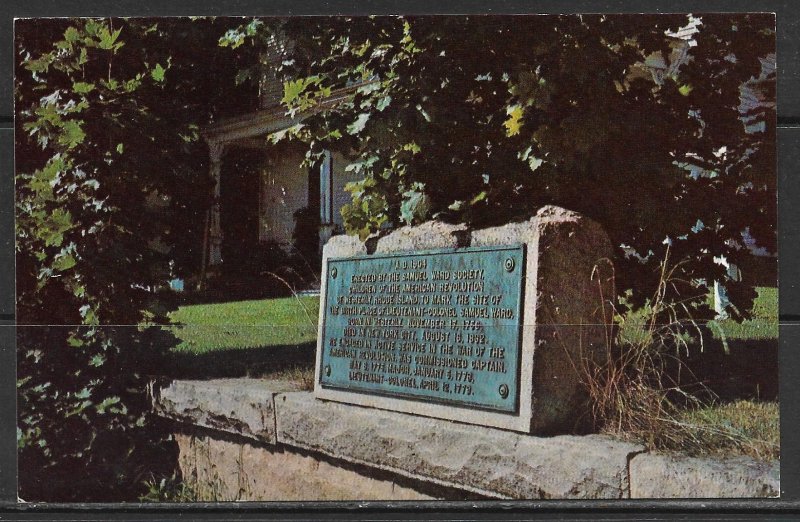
284	191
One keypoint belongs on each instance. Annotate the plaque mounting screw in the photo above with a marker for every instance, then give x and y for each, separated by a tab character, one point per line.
328	370
509	264
334	272
503	391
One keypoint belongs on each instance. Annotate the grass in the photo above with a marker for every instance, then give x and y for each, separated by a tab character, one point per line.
169	489
268	338
247	324
237	325
741	427
302	375
763	325
746	427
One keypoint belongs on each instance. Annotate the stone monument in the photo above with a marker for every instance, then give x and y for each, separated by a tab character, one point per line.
491	327
444	349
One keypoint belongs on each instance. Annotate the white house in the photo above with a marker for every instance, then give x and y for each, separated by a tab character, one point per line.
283	186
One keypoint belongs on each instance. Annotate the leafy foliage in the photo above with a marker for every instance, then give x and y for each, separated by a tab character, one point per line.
108	188
485	119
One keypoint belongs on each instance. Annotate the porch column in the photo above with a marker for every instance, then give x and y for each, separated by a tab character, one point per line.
326	224
216	149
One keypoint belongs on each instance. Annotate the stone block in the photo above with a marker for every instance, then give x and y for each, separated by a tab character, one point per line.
567	310
475	459
567	289
343	246
238	406
655	475
427	236
220	470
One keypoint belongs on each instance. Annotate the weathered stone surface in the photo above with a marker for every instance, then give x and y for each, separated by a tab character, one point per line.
290	446
344	246
427	236
667	476
567	286
486	461
238	406
222	470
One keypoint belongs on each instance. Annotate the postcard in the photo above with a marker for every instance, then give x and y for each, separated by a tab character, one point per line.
396	258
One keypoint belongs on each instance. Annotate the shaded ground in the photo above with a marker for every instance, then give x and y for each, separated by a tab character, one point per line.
747	369
740	360
261	361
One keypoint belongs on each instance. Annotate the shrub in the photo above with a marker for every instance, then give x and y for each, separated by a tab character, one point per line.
108	183
635	385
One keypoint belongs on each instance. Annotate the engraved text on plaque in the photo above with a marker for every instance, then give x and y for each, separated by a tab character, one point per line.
439	326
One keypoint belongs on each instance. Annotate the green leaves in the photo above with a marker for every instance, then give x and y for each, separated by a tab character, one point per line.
107	404
39	65
362	166
108	39
408	43
574	111
480	196
71	134
82	87
64	262
412	147
158	73
358	125
235	37
295	131
53	227
109	118
514	122
72	35
293	89
383	102
84	393
415	206
368	88
368	210
304	93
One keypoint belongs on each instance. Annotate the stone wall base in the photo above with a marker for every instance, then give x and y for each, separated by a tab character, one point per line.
256	440
219	468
